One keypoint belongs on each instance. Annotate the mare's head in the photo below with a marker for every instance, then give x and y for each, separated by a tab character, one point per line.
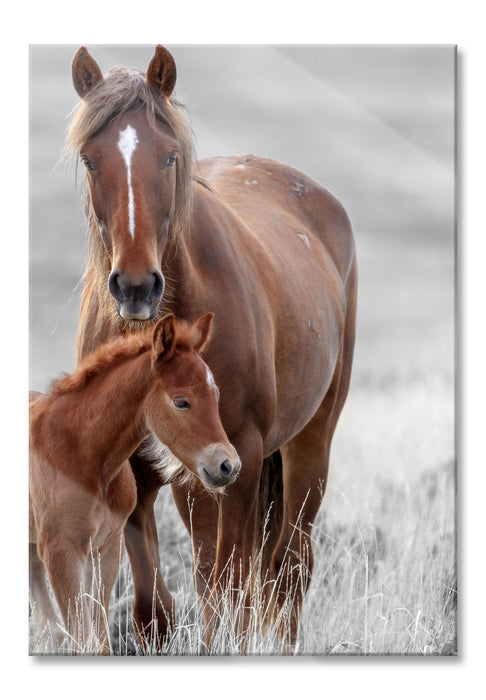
182	407
138	153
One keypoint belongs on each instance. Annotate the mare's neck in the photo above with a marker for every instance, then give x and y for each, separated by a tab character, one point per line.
185	275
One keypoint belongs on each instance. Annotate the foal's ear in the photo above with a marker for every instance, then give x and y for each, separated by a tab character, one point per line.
161	73
86	72
203	332
163	340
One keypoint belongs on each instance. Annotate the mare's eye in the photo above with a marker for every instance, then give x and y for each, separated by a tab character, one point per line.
86	161
171	160
181	404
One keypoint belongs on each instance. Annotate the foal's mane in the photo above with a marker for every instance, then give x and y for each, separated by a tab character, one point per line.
104	358
116	351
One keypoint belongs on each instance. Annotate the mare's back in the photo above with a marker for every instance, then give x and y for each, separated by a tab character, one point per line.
266	193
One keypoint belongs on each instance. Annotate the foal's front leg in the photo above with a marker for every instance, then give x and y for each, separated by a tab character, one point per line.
67	573
51	636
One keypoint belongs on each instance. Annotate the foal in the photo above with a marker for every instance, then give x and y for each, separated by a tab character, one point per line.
82	488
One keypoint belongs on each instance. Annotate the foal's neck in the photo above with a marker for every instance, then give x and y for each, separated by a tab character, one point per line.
114	402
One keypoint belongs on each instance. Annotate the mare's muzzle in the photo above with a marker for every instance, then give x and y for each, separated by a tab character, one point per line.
136	301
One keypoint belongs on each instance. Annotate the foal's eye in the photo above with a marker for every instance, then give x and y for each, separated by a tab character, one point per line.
86	161
181	404
171	160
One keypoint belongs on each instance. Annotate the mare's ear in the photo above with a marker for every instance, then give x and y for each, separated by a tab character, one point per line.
86	72
163	341
203	327
161	73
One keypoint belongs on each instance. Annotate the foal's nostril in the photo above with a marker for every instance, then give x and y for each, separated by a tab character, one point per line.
226	468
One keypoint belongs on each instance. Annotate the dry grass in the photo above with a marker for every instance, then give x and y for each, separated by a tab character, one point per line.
384	542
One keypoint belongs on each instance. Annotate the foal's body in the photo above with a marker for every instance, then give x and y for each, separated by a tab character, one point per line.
82	489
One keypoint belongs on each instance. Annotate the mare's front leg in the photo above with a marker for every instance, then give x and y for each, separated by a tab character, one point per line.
222	554
153	606
44	614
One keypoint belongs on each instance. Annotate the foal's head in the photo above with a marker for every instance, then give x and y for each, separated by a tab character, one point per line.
182	407
138	152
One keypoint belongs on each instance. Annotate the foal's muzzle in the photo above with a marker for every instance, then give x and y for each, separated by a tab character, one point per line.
219	466
221	475
136	301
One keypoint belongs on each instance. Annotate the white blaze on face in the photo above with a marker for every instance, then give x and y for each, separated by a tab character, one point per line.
210	378
211	382
127	144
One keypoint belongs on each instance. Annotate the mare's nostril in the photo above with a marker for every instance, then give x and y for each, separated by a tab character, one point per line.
115	287
157	288
226	468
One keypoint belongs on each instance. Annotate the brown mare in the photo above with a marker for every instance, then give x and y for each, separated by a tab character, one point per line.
82	488
272	253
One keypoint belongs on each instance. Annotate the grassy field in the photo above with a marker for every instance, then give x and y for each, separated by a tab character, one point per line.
385	576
